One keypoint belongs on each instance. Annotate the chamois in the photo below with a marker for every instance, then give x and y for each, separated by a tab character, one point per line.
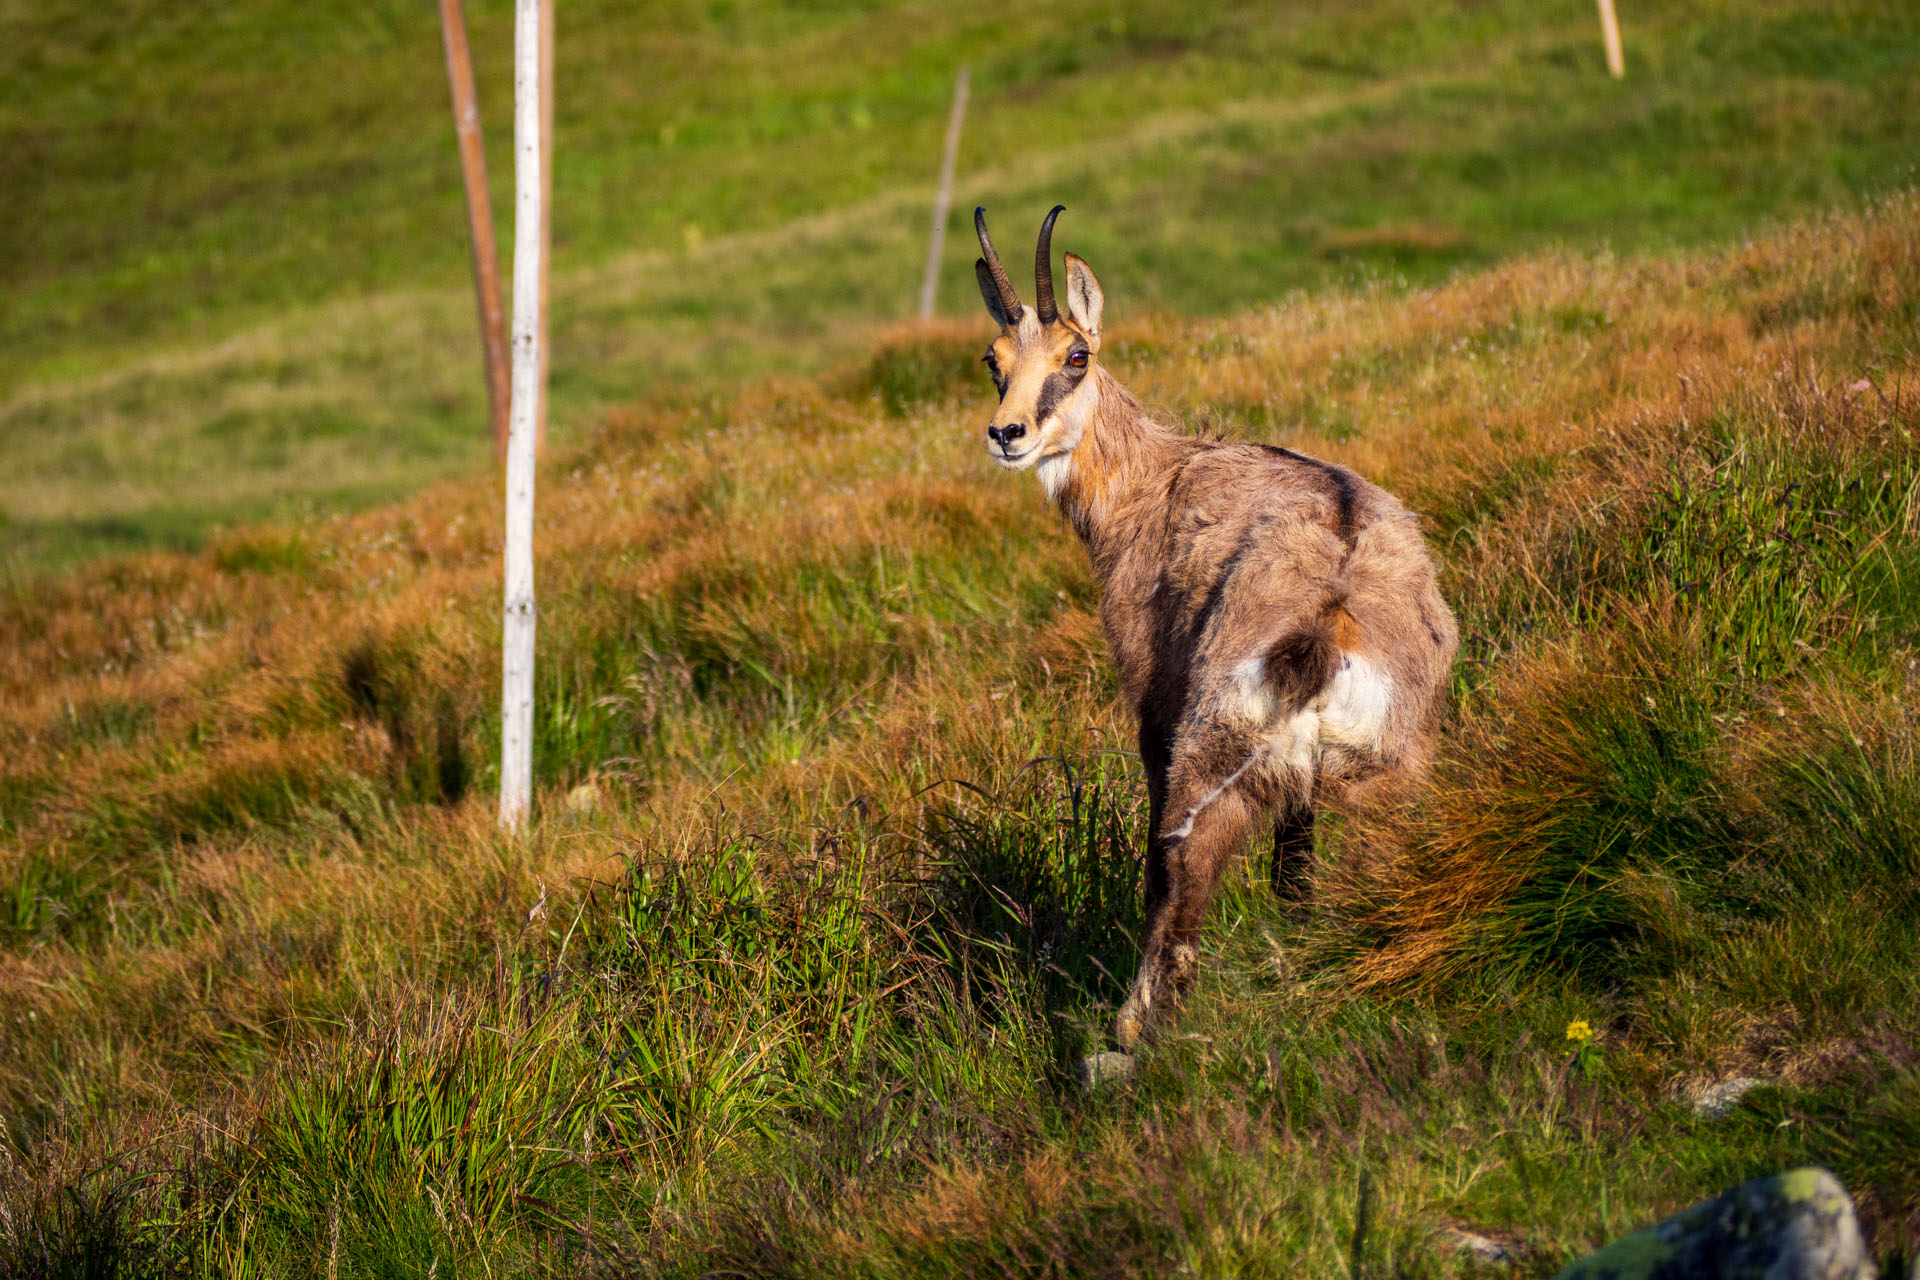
1274	618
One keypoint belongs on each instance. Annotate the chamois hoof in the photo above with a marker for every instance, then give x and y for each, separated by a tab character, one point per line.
1157	994
1097	1069
1130	1024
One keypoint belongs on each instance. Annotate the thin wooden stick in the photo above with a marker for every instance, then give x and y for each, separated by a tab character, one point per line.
516	675
1610	32
486	258
930	282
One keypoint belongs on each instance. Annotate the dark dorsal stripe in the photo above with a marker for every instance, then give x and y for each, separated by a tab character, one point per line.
1340	489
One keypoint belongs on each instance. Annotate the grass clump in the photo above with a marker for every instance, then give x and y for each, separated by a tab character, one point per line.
924	367
431	1131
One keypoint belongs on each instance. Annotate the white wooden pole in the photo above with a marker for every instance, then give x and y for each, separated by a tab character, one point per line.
929	283
1610	33
546	208
516	683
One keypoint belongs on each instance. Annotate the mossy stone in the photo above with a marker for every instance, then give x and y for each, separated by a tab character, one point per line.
1798	1225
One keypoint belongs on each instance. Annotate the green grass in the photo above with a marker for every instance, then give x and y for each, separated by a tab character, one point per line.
237	261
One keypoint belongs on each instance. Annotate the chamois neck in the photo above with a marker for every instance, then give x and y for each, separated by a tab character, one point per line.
1113	478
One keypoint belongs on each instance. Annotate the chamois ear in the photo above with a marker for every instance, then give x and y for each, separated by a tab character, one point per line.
990	293
1084	298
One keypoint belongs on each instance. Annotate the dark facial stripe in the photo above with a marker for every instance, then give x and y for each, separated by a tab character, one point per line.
999	379
1055	389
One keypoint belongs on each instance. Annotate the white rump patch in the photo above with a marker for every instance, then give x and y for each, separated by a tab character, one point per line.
1350	714
1353	708
1253	701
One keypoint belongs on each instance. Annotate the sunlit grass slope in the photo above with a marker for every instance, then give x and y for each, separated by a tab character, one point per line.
236	259
832	875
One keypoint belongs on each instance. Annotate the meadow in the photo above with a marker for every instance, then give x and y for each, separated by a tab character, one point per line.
833	863
236	253
832	875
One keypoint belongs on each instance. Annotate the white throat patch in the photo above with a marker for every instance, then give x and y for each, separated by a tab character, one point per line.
1053	471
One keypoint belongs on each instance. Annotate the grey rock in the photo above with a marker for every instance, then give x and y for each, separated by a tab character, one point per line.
1097	1069
1798	1225
1717	1100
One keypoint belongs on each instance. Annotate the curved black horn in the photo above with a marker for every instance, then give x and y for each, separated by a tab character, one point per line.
1043	269
1009	300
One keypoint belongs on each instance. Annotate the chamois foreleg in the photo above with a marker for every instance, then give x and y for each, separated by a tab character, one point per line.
1156	758
1202	821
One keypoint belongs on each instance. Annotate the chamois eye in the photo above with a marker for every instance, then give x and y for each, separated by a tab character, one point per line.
1078	359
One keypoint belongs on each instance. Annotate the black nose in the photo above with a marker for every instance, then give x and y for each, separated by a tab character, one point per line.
1004	436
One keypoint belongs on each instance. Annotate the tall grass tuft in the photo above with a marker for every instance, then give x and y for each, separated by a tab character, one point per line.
442	1123
1577	834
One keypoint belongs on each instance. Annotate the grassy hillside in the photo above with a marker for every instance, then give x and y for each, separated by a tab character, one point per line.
833	865
236	258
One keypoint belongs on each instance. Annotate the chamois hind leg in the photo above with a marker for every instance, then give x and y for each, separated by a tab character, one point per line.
1292	872
1199	827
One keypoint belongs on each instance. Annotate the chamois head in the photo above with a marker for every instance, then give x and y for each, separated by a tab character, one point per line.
1042	362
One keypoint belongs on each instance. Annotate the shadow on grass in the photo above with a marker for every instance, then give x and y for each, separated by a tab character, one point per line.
1044	891
85	1228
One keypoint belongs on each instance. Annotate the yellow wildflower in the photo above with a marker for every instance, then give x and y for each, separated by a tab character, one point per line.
1578	1031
